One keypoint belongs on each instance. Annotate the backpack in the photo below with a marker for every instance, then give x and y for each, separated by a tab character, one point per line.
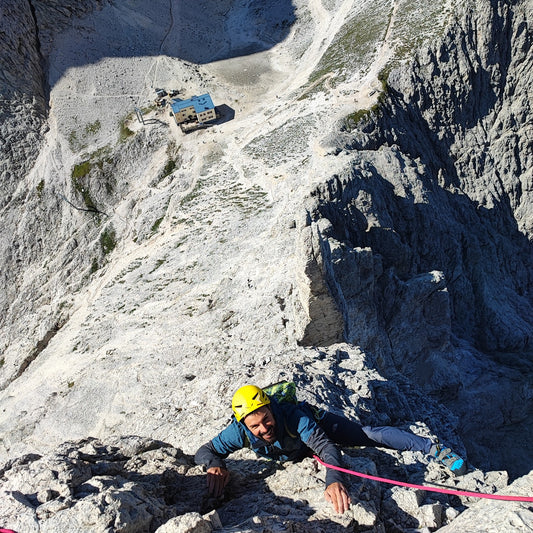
282	392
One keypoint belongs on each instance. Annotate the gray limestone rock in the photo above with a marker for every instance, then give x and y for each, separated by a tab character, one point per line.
437	196
137	484
384	269
132	485
489	515
187	523
22	95
27	29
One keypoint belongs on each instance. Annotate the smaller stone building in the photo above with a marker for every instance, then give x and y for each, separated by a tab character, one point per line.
197	109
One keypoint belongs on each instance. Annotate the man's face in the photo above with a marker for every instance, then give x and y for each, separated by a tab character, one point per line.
262	424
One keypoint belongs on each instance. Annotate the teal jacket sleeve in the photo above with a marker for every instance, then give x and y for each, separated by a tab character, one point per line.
216	450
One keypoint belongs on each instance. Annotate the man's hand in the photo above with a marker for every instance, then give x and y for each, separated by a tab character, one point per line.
337	494
217	479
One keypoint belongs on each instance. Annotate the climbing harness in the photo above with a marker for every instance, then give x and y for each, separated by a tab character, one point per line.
431	489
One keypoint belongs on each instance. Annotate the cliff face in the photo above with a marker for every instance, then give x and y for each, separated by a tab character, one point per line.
462	113
22	95
25	40
146	274
428	236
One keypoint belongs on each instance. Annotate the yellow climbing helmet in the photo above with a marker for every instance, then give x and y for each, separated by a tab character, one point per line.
247	399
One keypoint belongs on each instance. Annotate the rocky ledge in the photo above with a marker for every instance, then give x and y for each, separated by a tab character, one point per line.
134	484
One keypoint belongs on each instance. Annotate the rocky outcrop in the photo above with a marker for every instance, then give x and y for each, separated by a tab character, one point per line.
320	321
22	95
133	484
490	515
426	239
27	29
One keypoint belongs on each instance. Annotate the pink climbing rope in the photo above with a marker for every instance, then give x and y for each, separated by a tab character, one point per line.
431	489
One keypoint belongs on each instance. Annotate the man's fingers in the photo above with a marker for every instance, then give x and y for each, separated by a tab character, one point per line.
211	484
337	494
217	478
345	502
339	502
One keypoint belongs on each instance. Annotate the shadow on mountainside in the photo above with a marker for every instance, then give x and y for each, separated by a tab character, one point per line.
486	261
424	199
196	31
464	340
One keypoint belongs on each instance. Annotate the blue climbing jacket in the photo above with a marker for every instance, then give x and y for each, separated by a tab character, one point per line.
297	436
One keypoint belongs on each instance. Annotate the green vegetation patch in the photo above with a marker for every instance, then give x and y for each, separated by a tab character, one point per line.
355	45
124	133
40	187
156	224
169	168
248	201
354	118
78	140
158	263
93	128
101	155
81	170
108	240
73	141
173	161
417	21
93	168
79	175
194	194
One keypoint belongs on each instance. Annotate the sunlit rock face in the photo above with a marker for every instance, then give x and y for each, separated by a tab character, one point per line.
353	222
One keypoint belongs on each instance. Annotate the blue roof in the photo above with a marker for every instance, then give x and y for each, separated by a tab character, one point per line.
200	103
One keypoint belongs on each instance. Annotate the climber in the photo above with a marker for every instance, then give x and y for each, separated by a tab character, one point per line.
285	431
